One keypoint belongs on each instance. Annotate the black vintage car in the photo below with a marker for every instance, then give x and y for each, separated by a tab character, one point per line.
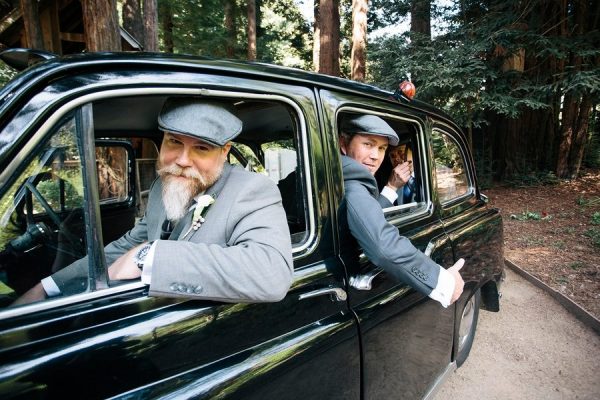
78	144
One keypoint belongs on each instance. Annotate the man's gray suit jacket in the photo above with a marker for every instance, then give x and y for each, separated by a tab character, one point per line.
241	253
380	240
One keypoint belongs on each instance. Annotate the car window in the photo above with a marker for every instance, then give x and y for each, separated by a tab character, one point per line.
410	198
41	218
113	182
452	179
269	144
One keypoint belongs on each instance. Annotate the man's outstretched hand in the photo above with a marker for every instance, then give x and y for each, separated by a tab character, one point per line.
459	284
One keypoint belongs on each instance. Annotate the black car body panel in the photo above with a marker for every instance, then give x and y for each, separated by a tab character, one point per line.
114	341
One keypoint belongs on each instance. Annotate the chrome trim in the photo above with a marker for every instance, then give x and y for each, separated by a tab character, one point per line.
337	294
429	248
64	301
435	388
364	282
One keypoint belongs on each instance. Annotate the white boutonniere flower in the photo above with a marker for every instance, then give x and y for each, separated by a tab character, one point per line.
202	205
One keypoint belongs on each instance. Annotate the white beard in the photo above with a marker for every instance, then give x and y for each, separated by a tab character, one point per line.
177	196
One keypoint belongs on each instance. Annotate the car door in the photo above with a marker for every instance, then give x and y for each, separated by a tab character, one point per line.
475	230
406	337
113	340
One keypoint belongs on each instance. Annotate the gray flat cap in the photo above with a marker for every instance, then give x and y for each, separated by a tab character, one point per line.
371	125
212	121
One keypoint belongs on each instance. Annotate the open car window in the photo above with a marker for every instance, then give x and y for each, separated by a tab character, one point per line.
412	197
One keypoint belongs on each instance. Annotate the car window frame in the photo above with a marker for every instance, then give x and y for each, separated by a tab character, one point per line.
95	239
393	214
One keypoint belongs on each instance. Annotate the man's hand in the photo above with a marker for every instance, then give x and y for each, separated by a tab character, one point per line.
458	280
400	175
124	268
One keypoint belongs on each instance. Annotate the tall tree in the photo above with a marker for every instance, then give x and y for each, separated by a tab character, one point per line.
166	17
100	24
132	19
230	27
31	20
251	5
420	17
359	40
329	49
150	25
316	36
577	103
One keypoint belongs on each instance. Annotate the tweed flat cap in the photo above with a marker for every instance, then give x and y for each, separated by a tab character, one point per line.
371	125
212	121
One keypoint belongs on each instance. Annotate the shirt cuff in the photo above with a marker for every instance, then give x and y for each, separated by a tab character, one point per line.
50	287
147	268
389	194
445	288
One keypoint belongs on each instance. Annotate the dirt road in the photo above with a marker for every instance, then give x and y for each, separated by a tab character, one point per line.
532	349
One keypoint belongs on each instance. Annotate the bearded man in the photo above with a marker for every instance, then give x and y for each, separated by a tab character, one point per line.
210	231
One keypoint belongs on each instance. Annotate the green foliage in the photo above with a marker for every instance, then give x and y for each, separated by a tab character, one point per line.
593	201
498	61
531	215
540	178
283	36
50	191
6	73
594	234
595	218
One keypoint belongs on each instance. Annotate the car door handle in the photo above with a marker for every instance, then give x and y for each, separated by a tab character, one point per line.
364	281
336	293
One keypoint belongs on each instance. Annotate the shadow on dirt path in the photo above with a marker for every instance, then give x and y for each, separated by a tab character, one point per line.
532	349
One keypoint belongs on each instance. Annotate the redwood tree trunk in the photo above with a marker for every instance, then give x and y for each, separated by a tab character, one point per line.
230	27
31	20
420	27
329	49
420	17
316	36
251	30
132	19
359	40
100	25
167	27
150	25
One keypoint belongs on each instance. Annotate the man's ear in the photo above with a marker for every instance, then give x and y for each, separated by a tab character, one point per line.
342	144
225	149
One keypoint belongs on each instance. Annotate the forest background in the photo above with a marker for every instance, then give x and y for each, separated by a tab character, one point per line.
521	77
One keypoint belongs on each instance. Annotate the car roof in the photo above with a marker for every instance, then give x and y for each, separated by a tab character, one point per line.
80	63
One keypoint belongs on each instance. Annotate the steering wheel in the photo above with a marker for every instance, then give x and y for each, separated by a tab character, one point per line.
73	240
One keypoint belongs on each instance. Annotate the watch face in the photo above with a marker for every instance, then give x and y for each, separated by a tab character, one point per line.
140	256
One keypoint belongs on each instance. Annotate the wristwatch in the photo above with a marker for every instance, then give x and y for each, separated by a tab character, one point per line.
139	258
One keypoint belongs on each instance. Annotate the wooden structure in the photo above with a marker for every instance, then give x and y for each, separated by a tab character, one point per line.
61	24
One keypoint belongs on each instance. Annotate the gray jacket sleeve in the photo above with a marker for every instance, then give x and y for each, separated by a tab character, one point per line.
384	246
253	264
